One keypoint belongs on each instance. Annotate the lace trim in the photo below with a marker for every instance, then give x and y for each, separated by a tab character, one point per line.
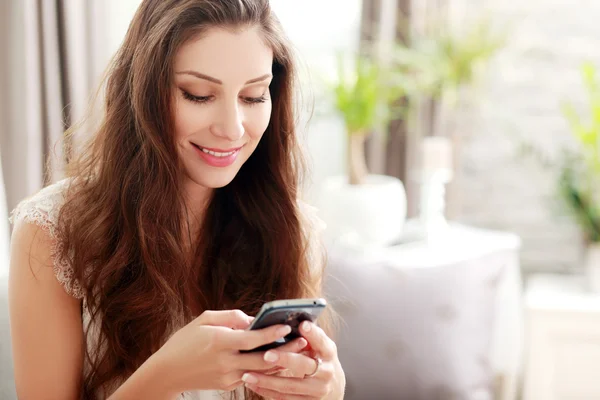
42	211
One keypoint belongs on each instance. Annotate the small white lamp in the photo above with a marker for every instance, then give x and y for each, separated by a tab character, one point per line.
436	171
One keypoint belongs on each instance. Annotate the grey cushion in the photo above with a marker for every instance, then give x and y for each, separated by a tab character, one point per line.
416	333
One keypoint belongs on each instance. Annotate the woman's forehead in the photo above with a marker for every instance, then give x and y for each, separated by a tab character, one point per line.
233	57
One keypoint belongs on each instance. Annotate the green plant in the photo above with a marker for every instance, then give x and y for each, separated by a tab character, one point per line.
579	180
444	60
366	97
458	57
368	94
577	165
581	205
587	133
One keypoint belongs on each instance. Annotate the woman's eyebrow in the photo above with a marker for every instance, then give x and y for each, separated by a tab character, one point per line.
217	81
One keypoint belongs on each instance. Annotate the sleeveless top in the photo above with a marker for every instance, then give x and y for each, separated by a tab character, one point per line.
42	209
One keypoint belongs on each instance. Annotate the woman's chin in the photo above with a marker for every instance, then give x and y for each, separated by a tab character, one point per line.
214	180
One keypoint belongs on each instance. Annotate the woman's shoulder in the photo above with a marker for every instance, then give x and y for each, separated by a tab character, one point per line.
42	208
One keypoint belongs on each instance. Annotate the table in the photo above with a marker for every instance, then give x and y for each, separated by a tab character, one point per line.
563	337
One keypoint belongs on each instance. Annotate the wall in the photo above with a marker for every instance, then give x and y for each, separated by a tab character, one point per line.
119	14
319	29
520	99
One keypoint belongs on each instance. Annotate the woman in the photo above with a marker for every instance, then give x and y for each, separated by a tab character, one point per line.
175	225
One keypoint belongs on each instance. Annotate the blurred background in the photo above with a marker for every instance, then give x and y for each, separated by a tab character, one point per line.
454	148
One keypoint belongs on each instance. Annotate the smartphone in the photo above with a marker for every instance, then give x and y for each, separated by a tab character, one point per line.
286	312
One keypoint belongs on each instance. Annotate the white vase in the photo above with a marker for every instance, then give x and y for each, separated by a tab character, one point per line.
592	266
372	214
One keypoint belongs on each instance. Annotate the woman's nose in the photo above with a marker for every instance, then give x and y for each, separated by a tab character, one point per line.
230	125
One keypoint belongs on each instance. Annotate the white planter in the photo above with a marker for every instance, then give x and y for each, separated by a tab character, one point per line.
592	266
372	214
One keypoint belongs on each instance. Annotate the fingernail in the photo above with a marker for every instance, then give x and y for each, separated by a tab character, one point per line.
284	330
251	379
306	326
271	356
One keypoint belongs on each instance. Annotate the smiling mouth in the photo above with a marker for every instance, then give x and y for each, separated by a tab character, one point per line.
215	152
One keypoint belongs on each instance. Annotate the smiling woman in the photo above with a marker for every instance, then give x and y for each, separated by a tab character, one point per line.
177	222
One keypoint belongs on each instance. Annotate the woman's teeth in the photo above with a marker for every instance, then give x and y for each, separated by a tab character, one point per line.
217	154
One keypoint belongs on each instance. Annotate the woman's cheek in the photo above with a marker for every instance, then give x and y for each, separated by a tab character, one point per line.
259	121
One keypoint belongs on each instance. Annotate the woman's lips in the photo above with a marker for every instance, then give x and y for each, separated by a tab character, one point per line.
217	157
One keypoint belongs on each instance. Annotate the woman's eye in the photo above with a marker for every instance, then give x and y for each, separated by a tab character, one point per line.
196	99
255	100
205	99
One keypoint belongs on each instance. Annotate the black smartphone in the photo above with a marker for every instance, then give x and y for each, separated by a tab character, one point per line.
286	312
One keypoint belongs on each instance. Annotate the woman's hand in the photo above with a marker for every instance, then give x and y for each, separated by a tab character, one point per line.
205	354
310	378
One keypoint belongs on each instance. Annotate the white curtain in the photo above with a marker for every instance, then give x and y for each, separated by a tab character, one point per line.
4	231
4	114
55	55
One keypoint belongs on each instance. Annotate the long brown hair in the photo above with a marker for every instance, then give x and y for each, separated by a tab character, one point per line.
121	226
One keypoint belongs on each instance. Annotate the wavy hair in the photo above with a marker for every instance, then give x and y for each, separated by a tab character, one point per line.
121	226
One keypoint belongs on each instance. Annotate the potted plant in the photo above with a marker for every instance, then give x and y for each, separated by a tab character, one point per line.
364	98
371	208
579	178
577	168
448	62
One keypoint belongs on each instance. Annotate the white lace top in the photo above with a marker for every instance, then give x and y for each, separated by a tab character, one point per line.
42	210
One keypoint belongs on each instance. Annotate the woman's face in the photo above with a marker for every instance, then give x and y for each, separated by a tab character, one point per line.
222	104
